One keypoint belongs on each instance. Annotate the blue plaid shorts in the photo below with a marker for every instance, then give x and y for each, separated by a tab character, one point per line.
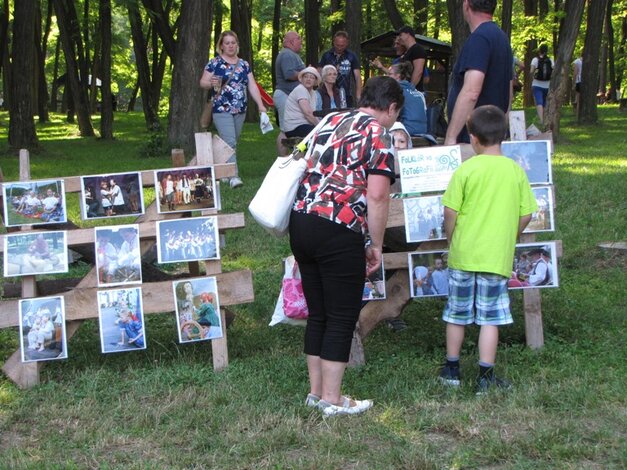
486	292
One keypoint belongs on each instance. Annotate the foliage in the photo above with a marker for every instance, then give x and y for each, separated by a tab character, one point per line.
166	408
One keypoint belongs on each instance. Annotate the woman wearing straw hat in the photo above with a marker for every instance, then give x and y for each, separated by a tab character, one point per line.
299	119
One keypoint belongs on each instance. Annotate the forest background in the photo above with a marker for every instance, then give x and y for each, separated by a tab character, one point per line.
149	54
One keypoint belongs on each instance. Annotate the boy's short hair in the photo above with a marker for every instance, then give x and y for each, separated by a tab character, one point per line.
488	124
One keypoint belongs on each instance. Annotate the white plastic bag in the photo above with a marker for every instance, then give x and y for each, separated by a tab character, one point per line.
264	123
279	315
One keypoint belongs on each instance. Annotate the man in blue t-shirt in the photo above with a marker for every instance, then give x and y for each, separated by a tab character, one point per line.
347	65
483	72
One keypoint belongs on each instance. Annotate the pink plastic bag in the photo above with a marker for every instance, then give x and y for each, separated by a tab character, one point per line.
294	303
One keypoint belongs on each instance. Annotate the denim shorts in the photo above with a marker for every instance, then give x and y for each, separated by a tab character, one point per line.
486	292
540	94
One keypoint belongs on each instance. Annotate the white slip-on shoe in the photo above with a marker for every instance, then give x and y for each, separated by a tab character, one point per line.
312	400
236	182
329	409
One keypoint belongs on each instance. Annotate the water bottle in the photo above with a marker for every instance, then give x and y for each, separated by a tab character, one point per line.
343	104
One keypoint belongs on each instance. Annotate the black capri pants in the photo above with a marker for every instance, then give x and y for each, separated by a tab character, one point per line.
332	262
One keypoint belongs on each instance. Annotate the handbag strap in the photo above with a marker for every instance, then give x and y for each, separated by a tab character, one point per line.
228	80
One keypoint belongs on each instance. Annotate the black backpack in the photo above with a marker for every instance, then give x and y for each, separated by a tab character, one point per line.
544	69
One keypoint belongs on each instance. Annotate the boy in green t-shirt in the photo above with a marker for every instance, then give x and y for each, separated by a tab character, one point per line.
487	204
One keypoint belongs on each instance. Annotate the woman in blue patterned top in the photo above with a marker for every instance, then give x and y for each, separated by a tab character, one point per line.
229	77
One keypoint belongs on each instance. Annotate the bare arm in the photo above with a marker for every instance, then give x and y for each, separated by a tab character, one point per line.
466	101
254	93
378	202
305	107
358	84
419	68
450	218
205	80
523	222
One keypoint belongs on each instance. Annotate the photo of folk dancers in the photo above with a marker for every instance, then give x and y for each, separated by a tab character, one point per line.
424	218
35	253
535	266
428	273
542	220
118	255
197	309
534	156
34	203
121	320
374	286
113	195
42	329
193	239
185	189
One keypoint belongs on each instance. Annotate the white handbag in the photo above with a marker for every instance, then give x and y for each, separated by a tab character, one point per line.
273	202
272	205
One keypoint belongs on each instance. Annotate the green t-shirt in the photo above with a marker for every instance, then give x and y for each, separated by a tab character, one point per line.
490	194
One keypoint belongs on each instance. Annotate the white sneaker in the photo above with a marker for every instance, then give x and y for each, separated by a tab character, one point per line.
329	409
236	182
312	400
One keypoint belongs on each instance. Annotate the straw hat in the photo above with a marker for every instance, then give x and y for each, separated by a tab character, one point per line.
311	70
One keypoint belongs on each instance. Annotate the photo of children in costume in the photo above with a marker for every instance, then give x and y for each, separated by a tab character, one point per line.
42	329
197	309
34	203
121	320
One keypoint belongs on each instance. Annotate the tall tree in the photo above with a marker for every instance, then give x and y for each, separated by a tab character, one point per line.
353	25
531	11
396	18
506	17
106	108
143	69
558	86
276	37
459	28
241	13
337	16
421	16
186	97
437	19
312	30
614	85
590	67
41	39
22	132
159	18
219	14
4	50
70	39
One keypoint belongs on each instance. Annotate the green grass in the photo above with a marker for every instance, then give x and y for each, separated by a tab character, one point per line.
165	407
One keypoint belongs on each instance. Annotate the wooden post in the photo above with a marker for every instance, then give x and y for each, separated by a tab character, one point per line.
219	347
532	303
517	125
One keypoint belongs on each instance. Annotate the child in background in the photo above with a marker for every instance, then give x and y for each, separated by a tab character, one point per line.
487	205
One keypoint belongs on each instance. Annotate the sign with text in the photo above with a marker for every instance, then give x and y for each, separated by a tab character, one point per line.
428	169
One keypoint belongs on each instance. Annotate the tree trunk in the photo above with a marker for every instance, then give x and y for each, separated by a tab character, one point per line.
42	87
337	6
241	14
312	30
22	132
590	67
621	52
186	96
566	45
437	19
614	85
506	18
421	16
160	21
106	108
459	28
396	18
219	14
276	29
132	100
159	61
143	70
353	25
531	10
4	30
66	18
54	92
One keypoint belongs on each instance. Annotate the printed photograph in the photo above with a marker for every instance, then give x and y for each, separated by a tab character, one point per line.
428	273
424	218
533	156
535	265
33	253
185	189
542	221
111	195
374	287
197	309
34	203
121	320
42	329
118	255
192	239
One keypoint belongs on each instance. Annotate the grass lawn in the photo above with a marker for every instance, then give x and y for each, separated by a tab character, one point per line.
165	407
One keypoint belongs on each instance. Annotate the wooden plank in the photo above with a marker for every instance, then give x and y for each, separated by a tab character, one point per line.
204	148
178	158
517	125
235	287
25	375
219	347
534	332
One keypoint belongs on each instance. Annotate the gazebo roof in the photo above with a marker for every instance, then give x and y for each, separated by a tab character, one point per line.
381	45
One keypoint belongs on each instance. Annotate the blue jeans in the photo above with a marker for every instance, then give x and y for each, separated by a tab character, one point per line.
229	128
